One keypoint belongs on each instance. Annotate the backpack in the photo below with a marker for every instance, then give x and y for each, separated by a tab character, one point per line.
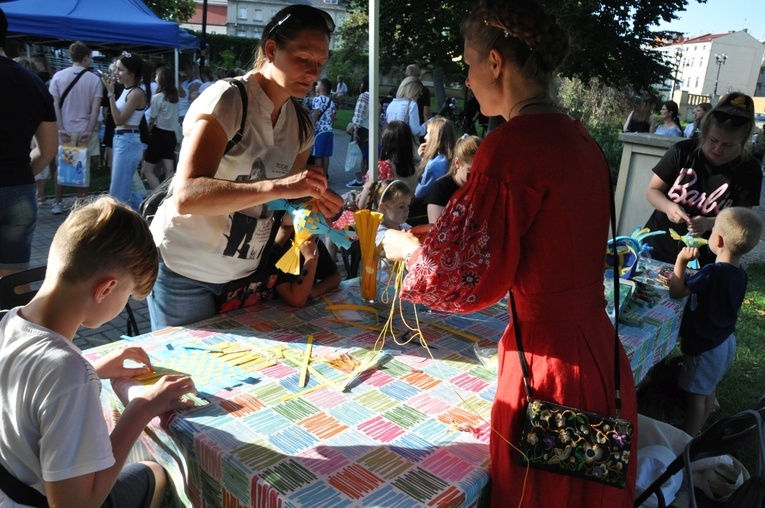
151	203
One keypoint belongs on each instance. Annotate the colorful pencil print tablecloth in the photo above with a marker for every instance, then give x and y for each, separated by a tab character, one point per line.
409	429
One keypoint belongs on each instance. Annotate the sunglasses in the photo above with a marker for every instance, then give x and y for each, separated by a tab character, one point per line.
305	15
735	120
125	54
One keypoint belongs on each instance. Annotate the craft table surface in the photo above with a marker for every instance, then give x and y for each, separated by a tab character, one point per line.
413	430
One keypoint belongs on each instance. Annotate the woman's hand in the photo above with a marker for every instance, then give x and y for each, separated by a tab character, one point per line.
398	244
108	82
421	149
113	365
676	214
330	203
700	225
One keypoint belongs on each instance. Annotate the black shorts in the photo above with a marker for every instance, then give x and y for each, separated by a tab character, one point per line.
161	146
134	488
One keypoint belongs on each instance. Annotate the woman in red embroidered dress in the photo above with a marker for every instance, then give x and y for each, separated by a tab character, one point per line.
533	218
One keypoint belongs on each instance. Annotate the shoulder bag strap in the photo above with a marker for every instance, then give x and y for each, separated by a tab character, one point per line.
238	136
69	88
617	363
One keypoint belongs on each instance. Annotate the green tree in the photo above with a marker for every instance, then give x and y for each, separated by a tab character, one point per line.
179	11
610	38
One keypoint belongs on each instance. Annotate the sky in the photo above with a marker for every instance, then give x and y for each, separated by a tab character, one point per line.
720	16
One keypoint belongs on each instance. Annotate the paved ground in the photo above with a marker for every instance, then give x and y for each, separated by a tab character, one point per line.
111	331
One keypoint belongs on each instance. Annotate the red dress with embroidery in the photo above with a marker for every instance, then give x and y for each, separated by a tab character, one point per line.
534	217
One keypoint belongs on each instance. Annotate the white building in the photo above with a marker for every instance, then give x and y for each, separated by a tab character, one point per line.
248	18
716	62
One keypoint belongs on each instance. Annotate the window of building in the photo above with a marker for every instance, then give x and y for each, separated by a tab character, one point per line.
333	2
241	33
243	13
258	15
688	82
697	82
257	33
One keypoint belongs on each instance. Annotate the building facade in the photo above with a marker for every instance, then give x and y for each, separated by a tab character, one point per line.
715	64
248	18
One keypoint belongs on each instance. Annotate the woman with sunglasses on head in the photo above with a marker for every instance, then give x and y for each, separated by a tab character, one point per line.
697	178
127	111
215	226
523	222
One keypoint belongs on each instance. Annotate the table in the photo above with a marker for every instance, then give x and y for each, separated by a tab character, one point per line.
649	330
413	431
410	430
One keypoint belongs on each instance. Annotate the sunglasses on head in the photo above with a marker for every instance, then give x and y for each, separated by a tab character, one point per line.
735	120
125	54
305	15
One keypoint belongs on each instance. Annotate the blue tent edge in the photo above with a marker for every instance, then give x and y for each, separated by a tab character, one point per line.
128	22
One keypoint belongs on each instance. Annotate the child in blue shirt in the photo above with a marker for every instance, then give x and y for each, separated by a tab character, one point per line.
716	293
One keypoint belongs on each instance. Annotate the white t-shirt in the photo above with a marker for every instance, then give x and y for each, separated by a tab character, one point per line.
51	424
222	248
406	111
164	112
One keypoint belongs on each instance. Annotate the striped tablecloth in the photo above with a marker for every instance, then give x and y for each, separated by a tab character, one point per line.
411	430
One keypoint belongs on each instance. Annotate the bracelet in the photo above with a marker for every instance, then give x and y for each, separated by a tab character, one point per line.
110	95
408	257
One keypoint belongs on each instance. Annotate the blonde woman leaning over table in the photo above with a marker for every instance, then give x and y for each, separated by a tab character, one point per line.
519	225
215	227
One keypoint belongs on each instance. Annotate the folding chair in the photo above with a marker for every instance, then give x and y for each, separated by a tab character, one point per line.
723	437
19	288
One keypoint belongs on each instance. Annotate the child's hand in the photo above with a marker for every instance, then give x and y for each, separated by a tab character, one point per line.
308	248
113	365
687	254
166	394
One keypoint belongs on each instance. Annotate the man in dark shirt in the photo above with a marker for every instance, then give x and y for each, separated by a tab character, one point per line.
26	109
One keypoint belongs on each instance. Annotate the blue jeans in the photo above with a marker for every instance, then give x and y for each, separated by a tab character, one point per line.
18	218
127	152
176	300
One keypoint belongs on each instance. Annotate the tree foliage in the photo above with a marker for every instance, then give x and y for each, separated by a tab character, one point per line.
609	37
179	11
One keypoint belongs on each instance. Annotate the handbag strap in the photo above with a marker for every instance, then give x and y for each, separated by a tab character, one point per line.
617	366
69	88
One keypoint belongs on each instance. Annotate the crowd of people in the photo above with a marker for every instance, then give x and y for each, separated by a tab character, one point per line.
500	211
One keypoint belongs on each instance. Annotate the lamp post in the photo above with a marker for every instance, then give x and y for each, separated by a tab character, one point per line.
720	61
678	57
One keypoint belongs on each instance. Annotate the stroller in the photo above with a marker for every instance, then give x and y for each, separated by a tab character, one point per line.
723	437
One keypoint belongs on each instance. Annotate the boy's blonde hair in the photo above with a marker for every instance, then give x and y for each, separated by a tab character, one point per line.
740	228
105	235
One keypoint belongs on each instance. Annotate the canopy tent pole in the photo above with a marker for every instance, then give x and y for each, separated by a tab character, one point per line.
374	86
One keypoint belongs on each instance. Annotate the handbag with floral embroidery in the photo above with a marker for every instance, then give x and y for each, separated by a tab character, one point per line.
566	440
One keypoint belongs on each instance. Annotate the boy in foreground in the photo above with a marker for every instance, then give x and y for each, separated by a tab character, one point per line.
53	436
716	294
